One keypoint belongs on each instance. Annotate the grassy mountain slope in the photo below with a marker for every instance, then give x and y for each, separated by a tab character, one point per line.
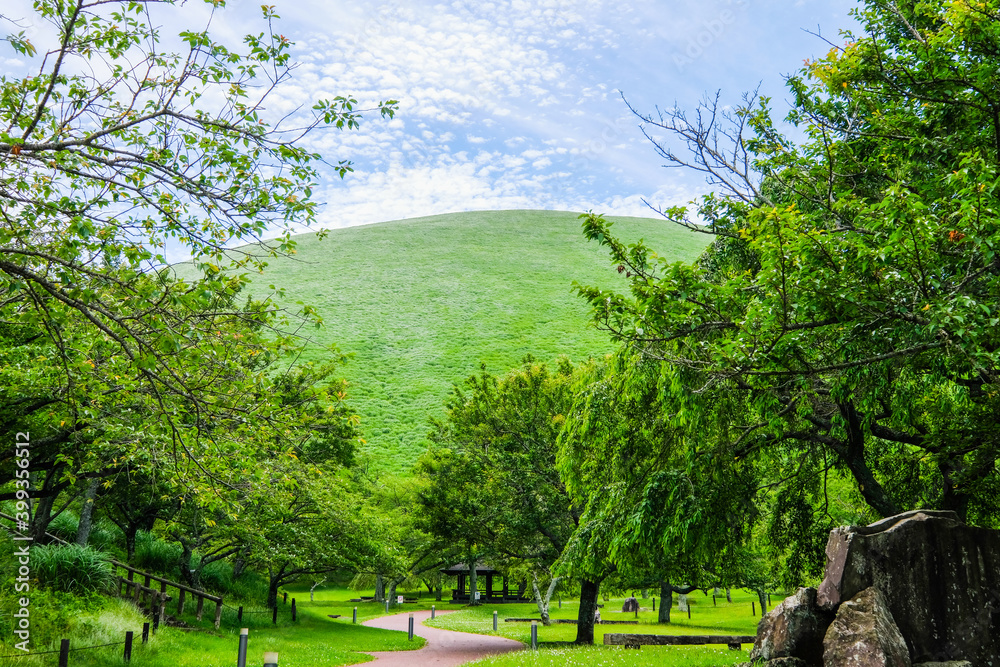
421	302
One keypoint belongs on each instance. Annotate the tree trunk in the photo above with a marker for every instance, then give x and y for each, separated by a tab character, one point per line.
438	589
312	596
130	533
239	567
543	601
762	596
274	580
379	588
729	596
41	517
645	593
87	513
390	593
192	577
666	602
589	591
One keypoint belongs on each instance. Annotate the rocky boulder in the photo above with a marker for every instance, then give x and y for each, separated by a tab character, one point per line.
793	629
940	580
864	634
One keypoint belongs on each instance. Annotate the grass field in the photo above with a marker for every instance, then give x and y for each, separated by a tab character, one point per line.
721	618
421	302
316	640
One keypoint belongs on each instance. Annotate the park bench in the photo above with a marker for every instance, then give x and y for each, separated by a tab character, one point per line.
735	642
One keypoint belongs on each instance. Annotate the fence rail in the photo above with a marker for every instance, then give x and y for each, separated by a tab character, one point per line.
148	578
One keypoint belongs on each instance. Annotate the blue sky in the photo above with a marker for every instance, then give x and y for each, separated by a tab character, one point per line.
516	104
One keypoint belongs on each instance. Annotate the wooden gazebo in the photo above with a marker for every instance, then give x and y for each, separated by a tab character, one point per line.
485	578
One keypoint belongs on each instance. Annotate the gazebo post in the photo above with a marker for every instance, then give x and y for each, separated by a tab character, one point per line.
461	586
505	588
489	587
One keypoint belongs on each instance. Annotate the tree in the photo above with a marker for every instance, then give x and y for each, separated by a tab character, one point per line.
658	507
843	324
492	480
119	155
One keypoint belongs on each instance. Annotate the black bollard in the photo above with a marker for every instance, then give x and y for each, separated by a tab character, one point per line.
410	632
241	655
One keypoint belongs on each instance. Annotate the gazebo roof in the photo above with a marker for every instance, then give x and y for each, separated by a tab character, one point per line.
463	568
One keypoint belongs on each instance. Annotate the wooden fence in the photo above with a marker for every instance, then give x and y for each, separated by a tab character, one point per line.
182	591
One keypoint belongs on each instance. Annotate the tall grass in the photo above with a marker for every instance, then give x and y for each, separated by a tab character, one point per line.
71	568
156	555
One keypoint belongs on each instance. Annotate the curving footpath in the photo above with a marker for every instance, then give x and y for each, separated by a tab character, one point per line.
444	648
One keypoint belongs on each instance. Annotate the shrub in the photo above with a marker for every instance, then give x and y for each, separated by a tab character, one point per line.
155	555
64	525
71	568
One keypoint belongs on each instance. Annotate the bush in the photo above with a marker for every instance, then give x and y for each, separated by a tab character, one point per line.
155	555
71	568
217	576
64	525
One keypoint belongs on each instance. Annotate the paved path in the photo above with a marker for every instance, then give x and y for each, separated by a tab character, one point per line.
444	648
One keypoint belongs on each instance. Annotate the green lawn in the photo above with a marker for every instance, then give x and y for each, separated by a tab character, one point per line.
722	618
315	640
420	303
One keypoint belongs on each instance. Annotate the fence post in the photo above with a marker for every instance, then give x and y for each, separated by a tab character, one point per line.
654	604
218	614
239	614
241	656
127	657
156	613
64	653
355	621
145	633
274	615
286	597
534	635
271	659
753	608
293	610
411	628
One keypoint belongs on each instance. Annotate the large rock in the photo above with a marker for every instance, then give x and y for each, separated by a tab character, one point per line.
940	579
793	629
863	634
630	604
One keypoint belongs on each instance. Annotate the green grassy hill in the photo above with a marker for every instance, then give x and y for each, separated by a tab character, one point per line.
421	302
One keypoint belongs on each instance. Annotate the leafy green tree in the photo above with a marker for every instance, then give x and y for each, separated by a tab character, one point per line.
118	155
659	508
843	325
492	480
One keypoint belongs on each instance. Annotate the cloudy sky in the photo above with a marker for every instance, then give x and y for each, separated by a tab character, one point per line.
517	104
